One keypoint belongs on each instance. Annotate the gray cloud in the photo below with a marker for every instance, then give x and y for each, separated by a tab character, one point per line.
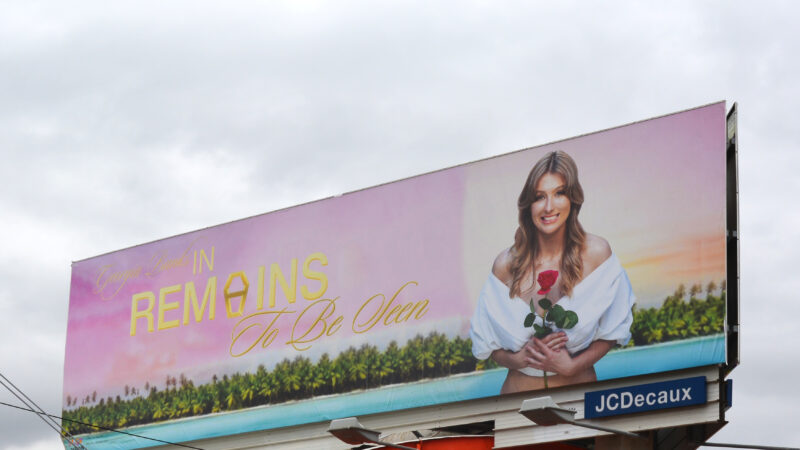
124	123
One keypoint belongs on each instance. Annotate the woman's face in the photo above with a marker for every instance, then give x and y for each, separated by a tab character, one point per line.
550	207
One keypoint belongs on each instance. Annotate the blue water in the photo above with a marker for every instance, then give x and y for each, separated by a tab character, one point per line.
617	364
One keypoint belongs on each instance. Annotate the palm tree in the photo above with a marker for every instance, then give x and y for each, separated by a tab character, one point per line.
248	390
710	288
393	359
424	359
680	292
159	410
452	357
384	367
197	406
358	371
338	375
265	390
232	399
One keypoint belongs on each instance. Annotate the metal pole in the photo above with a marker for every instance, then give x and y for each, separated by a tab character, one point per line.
609	430
398	446
758	447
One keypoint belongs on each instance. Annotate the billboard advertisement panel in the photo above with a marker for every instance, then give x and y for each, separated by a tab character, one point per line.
596	257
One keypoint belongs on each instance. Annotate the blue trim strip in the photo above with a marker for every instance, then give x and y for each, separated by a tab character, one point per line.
617	364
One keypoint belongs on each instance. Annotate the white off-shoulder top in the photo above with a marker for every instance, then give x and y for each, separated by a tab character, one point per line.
603	302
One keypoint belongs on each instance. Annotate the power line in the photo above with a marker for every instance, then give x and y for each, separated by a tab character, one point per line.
17	392
57	426
101	427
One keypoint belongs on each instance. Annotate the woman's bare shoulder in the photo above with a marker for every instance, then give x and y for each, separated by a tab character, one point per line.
502	266
595	252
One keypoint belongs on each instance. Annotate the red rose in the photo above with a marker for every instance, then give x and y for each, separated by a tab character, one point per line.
546	280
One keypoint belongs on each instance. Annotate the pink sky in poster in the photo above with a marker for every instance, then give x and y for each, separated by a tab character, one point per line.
654	189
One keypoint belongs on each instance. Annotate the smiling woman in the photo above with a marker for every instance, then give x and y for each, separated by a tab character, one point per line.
591	282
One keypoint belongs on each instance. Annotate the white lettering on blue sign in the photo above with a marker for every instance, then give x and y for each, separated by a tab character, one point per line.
645	397
626	399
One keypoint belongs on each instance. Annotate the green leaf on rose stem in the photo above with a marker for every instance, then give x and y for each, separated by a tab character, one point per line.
529	320
533	307
541	331
545	304
570	319
556	315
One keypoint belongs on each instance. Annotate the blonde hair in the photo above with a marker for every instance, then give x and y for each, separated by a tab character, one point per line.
525	248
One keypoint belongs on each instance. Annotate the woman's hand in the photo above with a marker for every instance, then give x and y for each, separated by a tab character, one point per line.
562	363
555	341
513	360
544	357
527	355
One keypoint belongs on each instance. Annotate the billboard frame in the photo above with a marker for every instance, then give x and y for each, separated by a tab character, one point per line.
731	269
732	237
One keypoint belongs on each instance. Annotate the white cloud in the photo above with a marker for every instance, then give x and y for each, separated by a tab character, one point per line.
41	444
125	122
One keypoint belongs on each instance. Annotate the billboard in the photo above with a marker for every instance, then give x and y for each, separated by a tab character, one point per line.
592	258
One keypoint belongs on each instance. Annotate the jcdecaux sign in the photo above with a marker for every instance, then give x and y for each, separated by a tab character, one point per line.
645	397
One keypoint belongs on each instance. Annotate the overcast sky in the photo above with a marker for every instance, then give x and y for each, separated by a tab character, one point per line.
125	122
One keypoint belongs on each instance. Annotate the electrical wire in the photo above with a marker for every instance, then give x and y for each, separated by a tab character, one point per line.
42	415
102	428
